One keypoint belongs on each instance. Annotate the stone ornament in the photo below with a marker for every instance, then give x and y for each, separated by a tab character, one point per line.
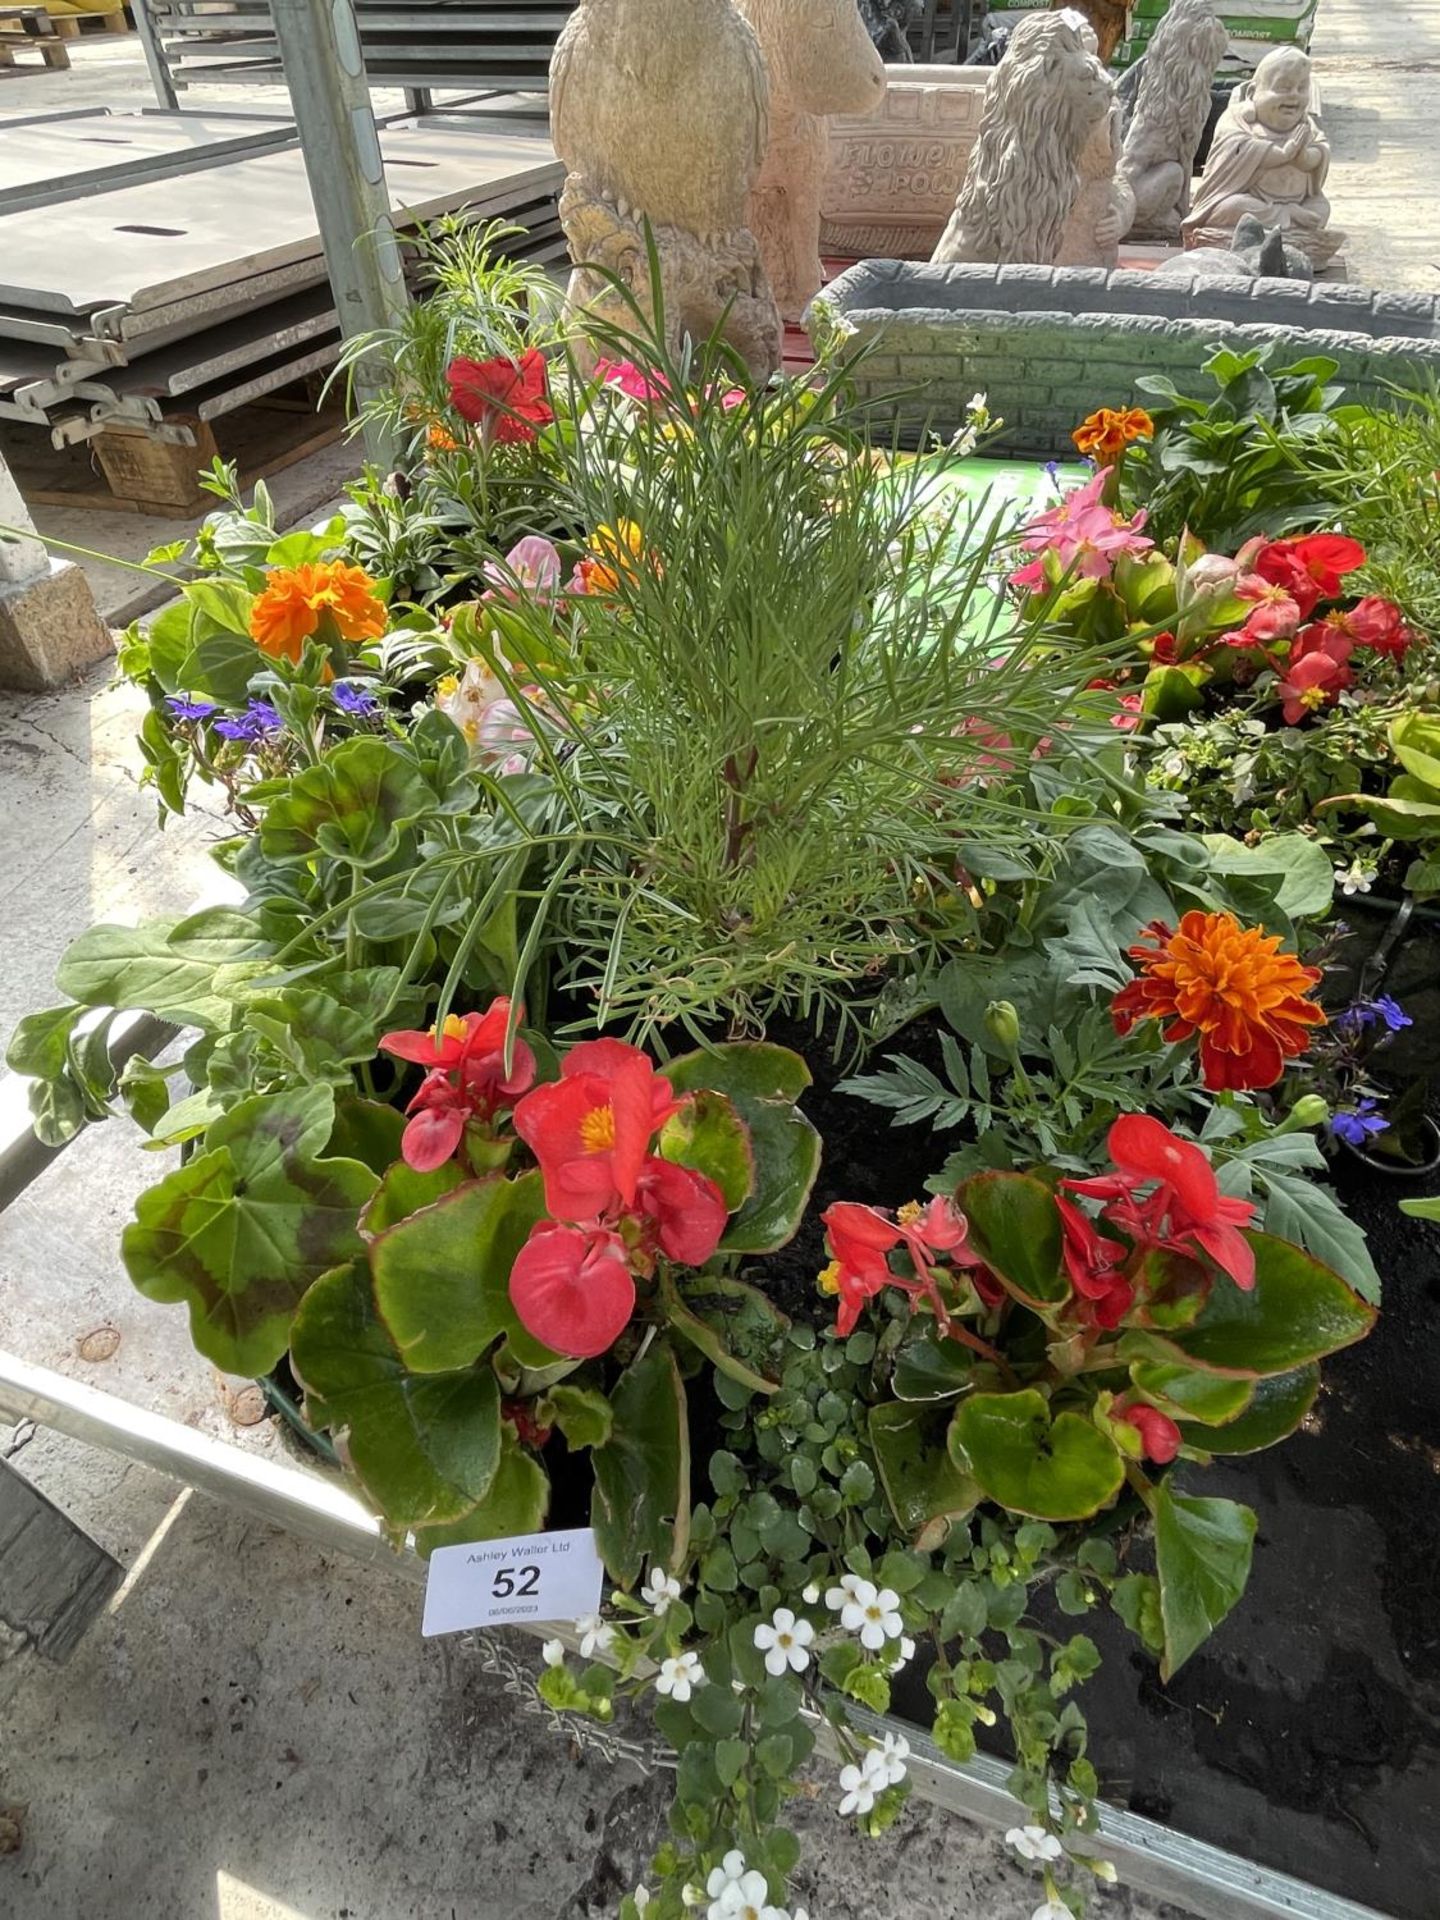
821	61
1105	206
1171	109
659	110
1268	163
1254	253
1042	103
894	175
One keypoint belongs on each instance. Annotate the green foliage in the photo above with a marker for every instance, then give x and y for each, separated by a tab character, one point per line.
1202	1551
762	1082
641	1505
1267	454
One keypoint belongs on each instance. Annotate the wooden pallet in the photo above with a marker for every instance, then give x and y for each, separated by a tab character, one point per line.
70	26
30	29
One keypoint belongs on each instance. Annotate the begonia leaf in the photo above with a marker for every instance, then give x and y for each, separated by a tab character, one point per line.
1183	1393
424	1446
708	1135
925	1488
515	1504
1202	1556
1051	1469
442	1275
763	1082
1277	1406
242	1229
1297	1311
640	1507
1015	1225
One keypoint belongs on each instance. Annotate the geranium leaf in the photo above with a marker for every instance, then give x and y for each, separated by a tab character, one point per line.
1202	1556
640	1508
1278	1406
1015	1225
1061	1469
763	1082
351	806
925	1488
424	1446
242	1229
708	1135
1298	1311
442	1275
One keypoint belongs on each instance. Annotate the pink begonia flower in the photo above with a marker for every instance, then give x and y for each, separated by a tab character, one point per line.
625	375
531	566
1083	534
1314	681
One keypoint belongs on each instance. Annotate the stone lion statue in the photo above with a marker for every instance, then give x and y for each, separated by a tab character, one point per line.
1170	111
1042	104
666	131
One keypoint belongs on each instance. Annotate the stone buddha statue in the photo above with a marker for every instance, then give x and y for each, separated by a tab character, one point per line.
1269	160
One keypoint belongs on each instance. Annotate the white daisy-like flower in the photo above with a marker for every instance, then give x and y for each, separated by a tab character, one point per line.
858	1788
738	1892
679	1677
891	1756
874	1615
553	1653
596	1635
1034	1843
659	1589
784	1641
838	1596
729	1873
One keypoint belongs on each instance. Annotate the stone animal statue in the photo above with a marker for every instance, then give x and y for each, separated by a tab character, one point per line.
1269	160
1042	103
888	24
1110	20
821	61
660	111
1104	206
1255	252
1171	109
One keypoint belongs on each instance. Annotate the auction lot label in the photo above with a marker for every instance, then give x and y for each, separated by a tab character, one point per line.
540	1578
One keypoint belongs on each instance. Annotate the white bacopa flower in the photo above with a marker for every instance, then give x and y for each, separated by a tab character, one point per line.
891	1756
874	1615
784	1641
839	1596
659	1589
1034	1843
679	1677
811	1596
729	1873
553	1653
858	1788
1052	1910
596	1635
1104	1870
641	1897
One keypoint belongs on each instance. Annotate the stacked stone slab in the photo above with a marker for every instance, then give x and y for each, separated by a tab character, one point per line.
1049	345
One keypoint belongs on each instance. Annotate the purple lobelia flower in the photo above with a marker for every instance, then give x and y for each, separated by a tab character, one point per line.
357	701
1358	1124
258	720
181	707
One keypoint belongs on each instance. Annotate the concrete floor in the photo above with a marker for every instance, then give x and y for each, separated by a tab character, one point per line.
255	1731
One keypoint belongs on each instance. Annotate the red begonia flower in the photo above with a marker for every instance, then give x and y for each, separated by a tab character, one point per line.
507	397
1186	1211
572	1288
1093	1262
591	1129
1374	623
1310	570
466	1081
1313	681
1159	1435
687	1207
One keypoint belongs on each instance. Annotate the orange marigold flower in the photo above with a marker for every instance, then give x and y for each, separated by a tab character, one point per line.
613	551
1230	984
1108	432
295	599
440	440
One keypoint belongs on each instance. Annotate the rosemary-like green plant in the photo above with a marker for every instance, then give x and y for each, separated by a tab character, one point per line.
791	708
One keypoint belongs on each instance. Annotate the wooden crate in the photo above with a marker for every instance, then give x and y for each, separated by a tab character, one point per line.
30	29
70	26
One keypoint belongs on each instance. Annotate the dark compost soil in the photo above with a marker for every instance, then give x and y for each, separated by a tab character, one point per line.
1306	1734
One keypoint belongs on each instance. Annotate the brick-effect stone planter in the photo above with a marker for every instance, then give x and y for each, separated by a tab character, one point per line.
1048	345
